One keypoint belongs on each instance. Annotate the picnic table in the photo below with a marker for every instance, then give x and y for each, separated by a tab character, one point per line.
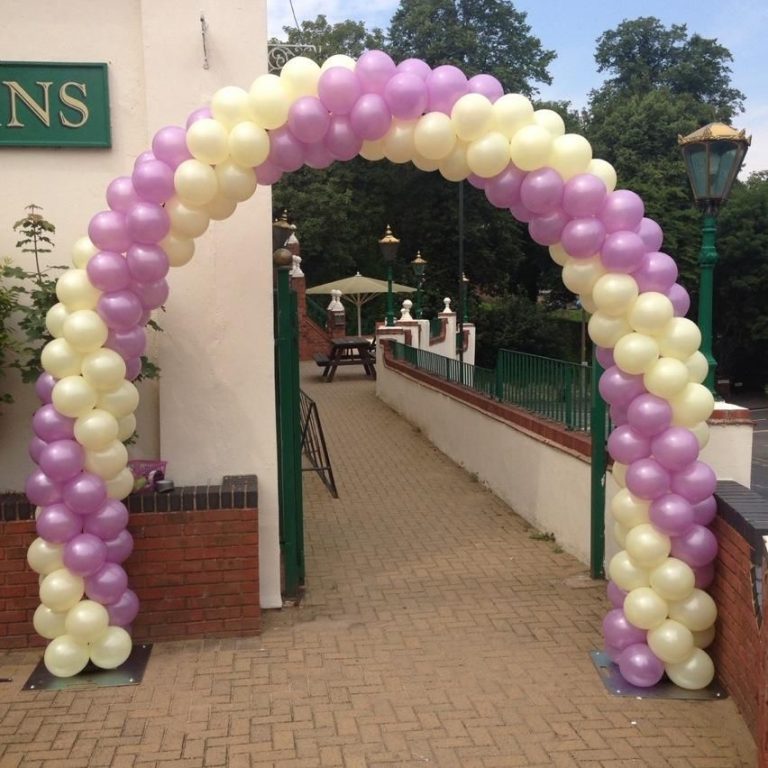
348	350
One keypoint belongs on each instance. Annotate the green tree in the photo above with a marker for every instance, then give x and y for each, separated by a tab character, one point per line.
349	37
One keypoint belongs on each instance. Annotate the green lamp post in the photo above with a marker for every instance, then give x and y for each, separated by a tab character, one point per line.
388	245
713	156
464	297
419	266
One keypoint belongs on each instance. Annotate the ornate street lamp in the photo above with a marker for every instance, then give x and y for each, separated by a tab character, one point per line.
419	266
388	245
464	296
713	156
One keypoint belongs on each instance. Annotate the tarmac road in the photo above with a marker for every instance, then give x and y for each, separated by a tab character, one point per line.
760	451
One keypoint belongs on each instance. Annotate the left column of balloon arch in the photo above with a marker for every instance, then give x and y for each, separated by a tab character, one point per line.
440	120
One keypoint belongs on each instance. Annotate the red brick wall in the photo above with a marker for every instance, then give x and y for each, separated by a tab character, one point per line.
196	574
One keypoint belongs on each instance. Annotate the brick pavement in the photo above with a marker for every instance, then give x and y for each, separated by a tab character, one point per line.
434	631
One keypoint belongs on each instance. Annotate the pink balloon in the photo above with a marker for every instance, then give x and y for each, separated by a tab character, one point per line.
151	295
84	554
647	479
41	490
153	181
146	263
446	84
503	190
268	173
695	482
704	512
541	191
582	238
648	415
618	414
107	585
57	523
144	157
374	69
285	150
108	232
622	251
478	182
128	343
124	610
618	632
341	140
108	520
605	357
48	424
620	388
133	368
486	85
121	194
622	210
547	229
201	113
671	514
639	666
119	549
521	213
169	144
675	448
85	494
108	271
615	594
626	445
415	67
370	118
35	448
406	95
697	546
680	299
657	272
120	310
61	460
651	234
583	196
308	119
147	223
44	387
318	156
704	575
338	89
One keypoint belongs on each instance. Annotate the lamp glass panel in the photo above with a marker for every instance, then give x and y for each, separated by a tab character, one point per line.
696	165
723	159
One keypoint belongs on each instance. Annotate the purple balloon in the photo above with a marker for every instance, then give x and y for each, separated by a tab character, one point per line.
618	415
583	196
107	585
41	490
615	594
620	388
651	234
121	194
85	553
626	445
671	514
618	632
108	520
120	310
704	512
341	140
119	549
153	181
374	69
48	424
285	150
542	191
124	610
612	653
169	144
146	263
647	479
704	575
680	299
657	272
547	229
338	89
108	231
582	238
44	387
317	156
478	182
128	343
640	666
446	84
35	448
151	295
503	190
675	448
520	212
486	85
147	223
144	157
415	67
133	368
308	119
406	95
622	210
648	415
268	173
57	523
370	118
605	357
201	113
695	482
697	546
85	494
622	251
61	460
108	271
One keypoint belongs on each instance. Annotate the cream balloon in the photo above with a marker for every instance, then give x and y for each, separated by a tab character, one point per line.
627	574
126	427
60	359
647	547
559	255
195	183
120	401
338	60
530	147
580	275
74	290
398	144
186	221
85	330
635	353
73	396
433	136
588	303
605	172
108	462
60	590
455	167
550	120
44	557
619	534
87	621
671	641
679	338
96	429
645	608
82	251
628	510
619	473
235	182
694	673
179	250
230	105
374	150
248	144
697	611
650	313
705	637
510	113
666	377
698	368
104	369
208	141
269	102
472	116
119	486
701	431
47	623
220	207
424	163
65	656
673	579
299	77
693	404
111	649
606	330
54	319
614	293
571	155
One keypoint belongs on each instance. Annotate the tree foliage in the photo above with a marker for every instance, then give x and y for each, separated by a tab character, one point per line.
350	37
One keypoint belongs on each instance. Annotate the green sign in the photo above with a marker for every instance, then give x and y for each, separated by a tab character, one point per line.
50	104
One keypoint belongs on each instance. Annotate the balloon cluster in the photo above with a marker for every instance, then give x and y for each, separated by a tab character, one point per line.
440	120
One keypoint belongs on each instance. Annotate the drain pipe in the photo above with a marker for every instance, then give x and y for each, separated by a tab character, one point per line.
597	518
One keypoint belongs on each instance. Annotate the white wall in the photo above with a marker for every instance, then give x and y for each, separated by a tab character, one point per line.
216	393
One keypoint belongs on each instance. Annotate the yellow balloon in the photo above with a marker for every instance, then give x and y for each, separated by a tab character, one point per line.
455	167
269	101
103	369
580	275
648	547
628	509
374	150
559	255
44	557
119	486
619	534
614	293
111	649
208	141
571	155
60	590
679	338
299	77
433	136
606	330
694	673
96	429
705	638
694	403
472	116
510	113
666	377
248	144
588	303
338	60
54	319
530	147
635	353
195	182
627	574
47	623
605	172
697	611
619	473
185	220
108	462
126	427
120	401
65	656
74	290
179	250
235	182
73	396
230	105
220	207
60	359
701	430
82	251
698	368
673	579
424	163
644	608
398	144
85	330
549	119
650	313
671	641
86	621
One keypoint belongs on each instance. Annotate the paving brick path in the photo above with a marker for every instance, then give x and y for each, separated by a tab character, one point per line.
434	632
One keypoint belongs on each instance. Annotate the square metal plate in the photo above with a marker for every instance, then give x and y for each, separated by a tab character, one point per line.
666	689
131	672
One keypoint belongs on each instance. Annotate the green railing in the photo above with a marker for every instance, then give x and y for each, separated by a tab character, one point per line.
316	312
555	389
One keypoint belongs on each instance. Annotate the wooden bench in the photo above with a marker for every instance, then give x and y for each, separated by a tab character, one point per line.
321	359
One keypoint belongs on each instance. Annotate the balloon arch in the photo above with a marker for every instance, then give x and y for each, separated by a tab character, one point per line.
439	120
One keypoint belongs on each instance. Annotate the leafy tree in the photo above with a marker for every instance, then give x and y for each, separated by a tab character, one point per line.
350	37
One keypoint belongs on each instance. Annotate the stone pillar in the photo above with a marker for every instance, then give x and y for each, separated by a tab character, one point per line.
337	316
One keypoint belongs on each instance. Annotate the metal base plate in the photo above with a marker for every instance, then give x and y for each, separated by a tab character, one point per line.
131	672
666	689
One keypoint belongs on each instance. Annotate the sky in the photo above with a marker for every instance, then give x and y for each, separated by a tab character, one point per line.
571	29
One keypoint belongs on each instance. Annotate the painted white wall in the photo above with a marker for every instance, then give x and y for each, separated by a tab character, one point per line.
213	411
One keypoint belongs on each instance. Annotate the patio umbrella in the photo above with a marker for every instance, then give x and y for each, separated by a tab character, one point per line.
359	290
